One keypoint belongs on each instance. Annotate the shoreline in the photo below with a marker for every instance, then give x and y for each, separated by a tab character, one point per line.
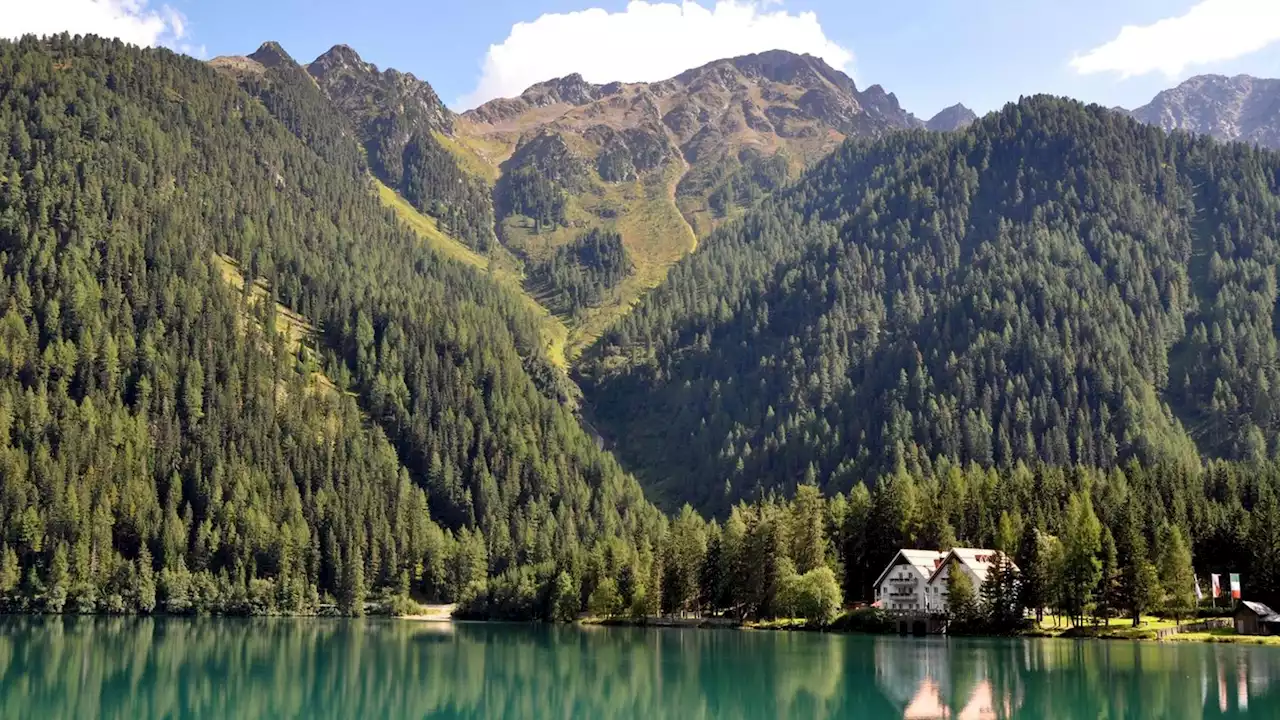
441	617
1224	636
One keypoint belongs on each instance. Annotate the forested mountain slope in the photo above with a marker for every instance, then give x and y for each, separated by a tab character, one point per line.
656	164
163	442
296	99
1056	283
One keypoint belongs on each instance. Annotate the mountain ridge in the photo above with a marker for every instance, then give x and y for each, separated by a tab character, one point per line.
913	297
1231	108
663	163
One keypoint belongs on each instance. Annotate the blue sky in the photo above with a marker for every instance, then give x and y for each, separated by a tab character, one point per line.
931	53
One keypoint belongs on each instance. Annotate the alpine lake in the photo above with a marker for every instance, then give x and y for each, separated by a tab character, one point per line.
69	667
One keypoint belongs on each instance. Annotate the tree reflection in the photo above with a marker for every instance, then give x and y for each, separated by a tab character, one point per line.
259	668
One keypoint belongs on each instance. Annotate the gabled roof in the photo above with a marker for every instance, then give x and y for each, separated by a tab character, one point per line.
1264	612
926	561
978	560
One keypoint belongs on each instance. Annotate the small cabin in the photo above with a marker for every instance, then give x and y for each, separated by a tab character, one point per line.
1254	618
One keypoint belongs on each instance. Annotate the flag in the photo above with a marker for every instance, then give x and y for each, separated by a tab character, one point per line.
1216	579
1199	595
1235	586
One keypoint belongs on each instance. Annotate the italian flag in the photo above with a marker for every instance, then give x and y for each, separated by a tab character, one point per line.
1235	586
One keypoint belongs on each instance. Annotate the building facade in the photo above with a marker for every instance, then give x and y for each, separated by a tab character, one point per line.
903	585
1255	618
916	580
976	563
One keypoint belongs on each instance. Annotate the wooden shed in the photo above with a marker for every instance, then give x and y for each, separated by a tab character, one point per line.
1254	618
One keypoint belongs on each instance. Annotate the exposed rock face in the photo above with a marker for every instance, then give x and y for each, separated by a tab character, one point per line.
769	101
713	139
956	117
272	55
1228	108
358	88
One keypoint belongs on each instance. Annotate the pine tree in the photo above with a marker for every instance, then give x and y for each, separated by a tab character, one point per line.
10	570
1034	585
564	604
962	604
1107	593
146	579
605	601
1081	543
1144	588
1177	577
1264	548
57	581
351	598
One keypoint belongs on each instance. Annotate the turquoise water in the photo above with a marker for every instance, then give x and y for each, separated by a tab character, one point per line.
309	668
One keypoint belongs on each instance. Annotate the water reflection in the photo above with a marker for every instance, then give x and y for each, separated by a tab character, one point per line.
935	679
269	668
931	679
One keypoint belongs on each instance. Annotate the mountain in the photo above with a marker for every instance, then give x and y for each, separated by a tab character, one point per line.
405	130
399	102
239	375
661	163
956	117
1228	108
522	181
1055	284
231	381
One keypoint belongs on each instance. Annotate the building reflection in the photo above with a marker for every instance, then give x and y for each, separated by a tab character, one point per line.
935	680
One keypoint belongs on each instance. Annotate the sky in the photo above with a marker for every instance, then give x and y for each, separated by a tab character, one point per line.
930	53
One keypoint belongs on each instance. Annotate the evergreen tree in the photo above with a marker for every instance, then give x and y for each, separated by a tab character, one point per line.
1082	542
1035	583
1107	593
605	601
1264	548
146	581
962	603
10	570
1177	577
352	595
564	602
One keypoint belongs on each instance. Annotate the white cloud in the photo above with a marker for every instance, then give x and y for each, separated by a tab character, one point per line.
645	42
129	20
1211	31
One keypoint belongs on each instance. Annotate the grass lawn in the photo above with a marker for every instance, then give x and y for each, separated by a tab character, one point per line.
1118	628
1225	635
1123	629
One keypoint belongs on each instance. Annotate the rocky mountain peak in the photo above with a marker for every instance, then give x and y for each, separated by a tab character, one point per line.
956	117
341	56
358	87
270	54
877	102
1228	108
572	89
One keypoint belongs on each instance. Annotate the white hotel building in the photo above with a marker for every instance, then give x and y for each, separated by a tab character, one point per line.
916	580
